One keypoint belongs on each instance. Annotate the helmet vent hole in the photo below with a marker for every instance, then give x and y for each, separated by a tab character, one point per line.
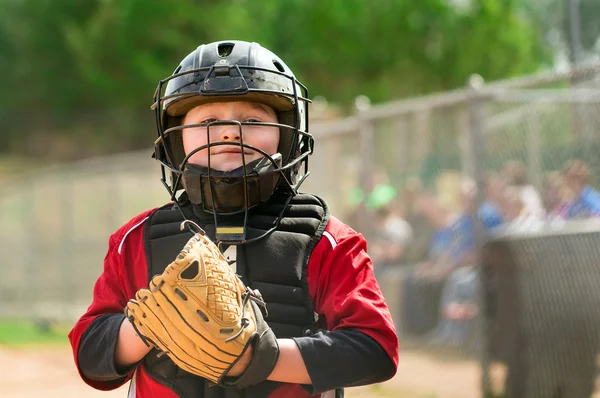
225	49
278	65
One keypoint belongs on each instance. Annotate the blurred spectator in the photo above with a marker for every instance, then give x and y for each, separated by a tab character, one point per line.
391	279
381	194
448	189
586	200
516	174
446	245
382	191
422	230
556	195
392	236
458	309
396	225
518	218
490	211
458	306
514	208
422	287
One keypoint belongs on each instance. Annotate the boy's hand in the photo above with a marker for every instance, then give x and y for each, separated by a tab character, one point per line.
242	364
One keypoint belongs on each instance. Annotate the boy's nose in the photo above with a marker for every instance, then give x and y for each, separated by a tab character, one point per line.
229	133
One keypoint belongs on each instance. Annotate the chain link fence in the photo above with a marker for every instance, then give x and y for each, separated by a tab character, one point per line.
539	268
481	240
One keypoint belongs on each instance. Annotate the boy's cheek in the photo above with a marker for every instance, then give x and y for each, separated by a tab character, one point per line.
199	159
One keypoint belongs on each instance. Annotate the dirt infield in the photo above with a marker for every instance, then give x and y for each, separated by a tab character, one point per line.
44	372
49	372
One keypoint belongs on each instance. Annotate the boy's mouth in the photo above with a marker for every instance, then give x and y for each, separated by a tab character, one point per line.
231	151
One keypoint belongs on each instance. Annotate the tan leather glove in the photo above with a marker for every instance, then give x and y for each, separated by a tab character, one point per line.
202	316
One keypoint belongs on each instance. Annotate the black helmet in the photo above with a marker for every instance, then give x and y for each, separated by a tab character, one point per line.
233	71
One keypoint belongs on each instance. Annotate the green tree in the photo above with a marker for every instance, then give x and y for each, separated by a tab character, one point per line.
61	59
389	49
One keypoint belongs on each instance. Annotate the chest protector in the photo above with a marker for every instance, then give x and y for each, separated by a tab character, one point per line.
276	265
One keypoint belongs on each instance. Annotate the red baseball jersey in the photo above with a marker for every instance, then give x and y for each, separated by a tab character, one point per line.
341	284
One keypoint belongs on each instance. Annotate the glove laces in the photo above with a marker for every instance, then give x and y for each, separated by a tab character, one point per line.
256	297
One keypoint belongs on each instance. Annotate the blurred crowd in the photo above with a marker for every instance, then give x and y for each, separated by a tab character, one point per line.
424	241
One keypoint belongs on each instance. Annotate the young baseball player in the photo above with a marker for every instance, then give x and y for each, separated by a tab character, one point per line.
233	144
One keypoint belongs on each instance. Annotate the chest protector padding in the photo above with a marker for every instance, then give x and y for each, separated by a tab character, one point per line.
275	264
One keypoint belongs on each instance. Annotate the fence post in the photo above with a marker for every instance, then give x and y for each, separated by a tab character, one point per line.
366	150
476	135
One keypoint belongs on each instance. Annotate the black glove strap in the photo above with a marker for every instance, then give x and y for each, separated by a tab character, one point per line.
264	355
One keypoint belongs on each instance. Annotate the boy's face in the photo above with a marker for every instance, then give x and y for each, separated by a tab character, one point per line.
229	157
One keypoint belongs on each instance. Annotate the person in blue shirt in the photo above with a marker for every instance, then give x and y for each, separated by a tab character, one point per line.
440	296
423	282
458	304
490	212
586	200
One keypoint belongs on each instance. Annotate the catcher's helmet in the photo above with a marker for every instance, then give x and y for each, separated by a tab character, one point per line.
232	71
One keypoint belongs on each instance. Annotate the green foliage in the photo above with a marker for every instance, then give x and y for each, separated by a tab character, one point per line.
389	49
59	59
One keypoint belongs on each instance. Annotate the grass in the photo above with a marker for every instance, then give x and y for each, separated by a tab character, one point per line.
16	333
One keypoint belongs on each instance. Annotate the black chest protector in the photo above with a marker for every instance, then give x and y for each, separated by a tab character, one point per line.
276	265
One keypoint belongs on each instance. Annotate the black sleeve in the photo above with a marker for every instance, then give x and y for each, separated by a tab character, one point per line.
343	358
96	355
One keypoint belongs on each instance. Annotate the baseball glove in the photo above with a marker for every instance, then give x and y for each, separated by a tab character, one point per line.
202	316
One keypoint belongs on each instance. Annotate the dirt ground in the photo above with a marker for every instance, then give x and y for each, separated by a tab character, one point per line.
50	372
43	372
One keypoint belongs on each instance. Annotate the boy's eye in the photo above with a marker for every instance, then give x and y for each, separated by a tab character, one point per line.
253	120
209	120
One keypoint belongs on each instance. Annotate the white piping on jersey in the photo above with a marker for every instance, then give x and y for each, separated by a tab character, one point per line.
127	233
131	393
331	240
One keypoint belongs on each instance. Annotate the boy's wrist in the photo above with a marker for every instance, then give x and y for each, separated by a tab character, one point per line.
130	347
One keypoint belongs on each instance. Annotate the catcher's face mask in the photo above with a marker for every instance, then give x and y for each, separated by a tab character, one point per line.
221	118
232	71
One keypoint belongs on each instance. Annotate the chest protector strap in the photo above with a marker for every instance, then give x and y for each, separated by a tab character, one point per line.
276	265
